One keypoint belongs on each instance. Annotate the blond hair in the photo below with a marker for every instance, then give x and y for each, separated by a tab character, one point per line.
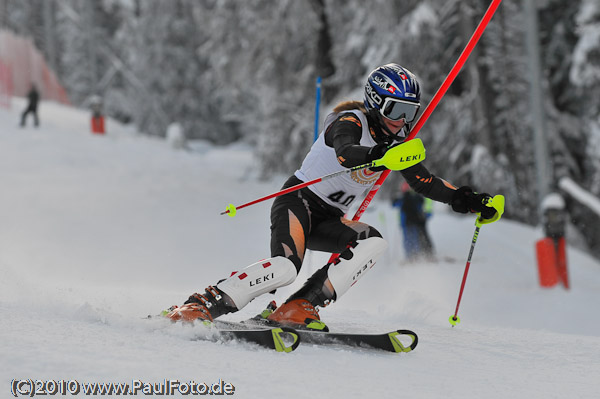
349	105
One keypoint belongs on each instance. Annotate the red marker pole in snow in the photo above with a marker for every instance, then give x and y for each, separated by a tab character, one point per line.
434	102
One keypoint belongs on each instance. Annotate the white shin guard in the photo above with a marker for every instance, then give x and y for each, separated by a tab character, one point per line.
348	271
257	279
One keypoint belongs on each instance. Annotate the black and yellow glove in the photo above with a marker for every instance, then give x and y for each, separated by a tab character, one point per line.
465	200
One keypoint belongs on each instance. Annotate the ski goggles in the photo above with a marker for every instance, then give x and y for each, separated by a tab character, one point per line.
395	109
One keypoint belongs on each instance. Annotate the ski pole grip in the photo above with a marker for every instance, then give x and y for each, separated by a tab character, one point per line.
403	155
496	202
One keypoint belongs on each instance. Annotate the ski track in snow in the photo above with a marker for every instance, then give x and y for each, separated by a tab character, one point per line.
97	232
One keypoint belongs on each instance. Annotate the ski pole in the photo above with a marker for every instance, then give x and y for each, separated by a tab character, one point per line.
398	157
454	319
466	53
497	202
231	210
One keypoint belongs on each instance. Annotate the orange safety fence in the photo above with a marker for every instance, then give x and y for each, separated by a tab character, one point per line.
21	65
6	89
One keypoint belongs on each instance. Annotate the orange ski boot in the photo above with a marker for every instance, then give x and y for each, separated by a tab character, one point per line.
202	307
298	313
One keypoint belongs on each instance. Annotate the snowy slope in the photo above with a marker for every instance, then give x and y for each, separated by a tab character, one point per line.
96	232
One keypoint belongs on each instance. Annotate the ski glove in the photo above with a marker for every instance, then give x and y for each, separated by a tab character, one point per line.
465	200
376	152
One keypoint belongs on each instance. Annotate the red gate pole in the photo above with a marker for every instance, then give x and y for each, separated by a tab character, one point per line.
466	53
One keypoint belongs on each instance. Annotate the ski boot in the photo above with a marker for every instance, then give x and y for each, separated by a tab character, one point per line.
297	313
300	310
203	307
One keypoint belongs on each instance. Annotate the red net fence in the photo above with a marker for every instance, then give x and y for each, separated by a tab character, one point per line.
21	65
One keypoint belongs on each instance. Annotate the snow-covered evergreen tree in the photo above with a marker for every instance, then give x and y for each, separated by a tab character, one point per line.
227	70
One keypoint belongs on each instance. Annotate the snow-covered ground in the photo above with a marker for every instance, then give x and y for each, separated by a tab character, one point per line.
98	231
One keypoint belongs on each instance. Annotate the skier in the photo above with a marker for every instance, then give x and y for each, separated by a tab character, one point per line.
355	133
33	97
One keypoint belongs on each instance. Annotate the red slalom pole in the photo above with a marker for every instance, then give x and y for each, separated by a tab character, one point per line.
466	53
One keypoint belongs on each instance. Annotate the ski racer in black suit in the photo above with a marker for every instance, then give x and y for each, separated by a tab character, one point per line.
355	133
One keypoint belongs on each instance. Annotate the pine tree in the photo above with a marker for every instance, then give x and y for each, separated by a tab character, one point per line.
228	70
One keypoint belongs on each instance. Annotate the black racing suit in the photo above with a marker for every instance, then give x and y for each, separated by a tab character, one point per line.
301	219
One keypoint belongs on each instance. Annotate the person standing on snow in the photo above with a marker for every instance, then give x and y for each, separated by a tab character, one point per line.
415	210
33	96
355	133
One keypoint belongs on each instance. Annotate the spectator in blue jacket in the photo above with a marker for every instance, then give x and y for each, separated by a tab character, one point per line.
415	210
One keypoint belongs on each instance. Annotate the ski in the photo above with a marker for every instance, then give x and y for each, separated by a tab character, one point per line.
280	339
394	341
390	342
